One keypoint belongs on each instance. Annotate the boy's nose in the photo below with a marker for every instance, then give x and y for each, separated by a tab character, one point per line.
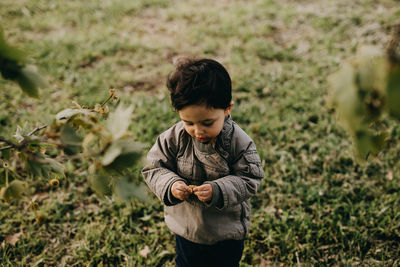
198	130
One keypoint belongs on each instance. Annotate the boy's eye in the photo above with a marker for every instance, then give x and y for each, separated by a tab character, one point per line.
188	123
208	124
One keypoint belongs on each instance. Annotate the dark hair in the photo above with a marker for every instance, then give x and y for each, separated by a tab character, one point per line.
199	81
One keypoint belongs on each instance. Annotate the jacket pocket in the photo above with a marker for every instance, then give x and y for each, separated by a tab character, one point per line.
184	168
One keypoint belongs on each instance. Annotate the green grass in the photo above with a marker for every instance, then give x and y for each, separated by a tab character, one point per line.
316	205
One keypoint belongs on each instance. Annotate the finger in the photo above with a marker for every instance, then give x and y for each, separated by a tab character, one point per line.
201	188
182	189
204	199
204	190
183	196
202	194
183	193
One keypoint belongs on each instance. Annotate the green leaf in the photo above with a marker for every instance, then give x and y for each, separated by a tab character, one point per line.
22	132
393	91
118	122
371	67
54	166
122	154
71	112
369	144
18	134
9	52
14	190
44	167
101	184
111	154
344	97
29	81
35	168
125	190
71	140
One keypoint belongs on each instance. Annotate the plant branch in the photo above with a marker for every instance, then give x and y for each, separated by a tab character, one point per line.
37	129
13	145
5	148
10	144
108	99
2	139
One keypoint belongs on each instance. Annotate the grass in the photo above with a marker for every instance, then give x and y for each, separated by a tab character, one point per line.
316	205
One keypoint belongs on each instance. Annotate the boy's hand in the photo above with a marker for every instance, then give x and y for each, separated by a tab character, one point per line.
180	190
203	192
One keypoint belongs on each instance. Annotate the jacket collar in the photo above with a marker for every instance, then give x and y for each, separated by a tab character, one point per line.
225	136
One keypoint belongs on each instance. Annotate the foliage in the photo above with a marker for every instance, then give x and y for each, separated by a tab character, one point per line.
363	91
77	135
13	67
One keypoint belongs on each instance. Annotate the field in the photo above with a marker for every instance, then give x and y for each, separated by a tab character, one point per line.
316	204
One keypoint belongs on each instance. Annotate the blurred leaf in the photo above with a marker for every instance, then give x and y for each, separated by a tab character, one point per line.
29	81
101	184
125	190
9	69
10	52
368	143
14	190
118	121
393	91
54	166
111	154
122	154
71	140
71	112
371	67
344	98
88	141
18	134
12	67
22	132
36	168
44	167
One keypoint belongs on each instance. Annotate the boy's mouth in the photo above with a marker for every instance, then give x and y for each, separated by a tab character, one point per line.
203	140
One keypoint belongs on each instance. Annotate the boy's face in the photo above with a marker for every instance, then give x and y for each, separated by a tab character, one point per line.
202	122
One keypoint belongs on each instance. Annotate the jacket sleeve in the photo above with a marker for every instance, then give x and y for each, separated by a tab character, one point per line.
160	169
245	177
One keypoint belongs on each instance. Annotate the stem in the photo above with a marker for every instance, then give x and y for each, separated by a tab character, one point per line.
37	129
2	139
9	143
5	148
12	145
108	99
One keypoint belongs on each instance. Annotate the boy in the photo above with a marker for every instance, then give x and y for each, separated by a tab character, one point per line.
204	168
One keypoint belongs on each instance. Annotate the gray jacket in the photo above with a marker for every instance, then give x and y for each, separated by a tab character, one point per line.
230	164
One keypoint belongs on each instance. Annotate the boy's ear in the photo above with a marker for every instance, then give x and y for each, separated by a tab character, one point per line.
229	109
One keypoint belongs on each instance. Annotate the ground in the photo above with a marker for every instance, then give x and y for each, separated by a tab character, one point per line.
316	205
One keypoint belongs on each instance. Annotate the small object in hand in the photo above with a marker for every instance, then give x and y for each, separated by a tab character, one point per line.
192	187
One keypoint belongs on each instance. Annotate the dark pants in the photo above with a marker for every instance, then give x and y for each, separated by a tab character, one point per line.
226	253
